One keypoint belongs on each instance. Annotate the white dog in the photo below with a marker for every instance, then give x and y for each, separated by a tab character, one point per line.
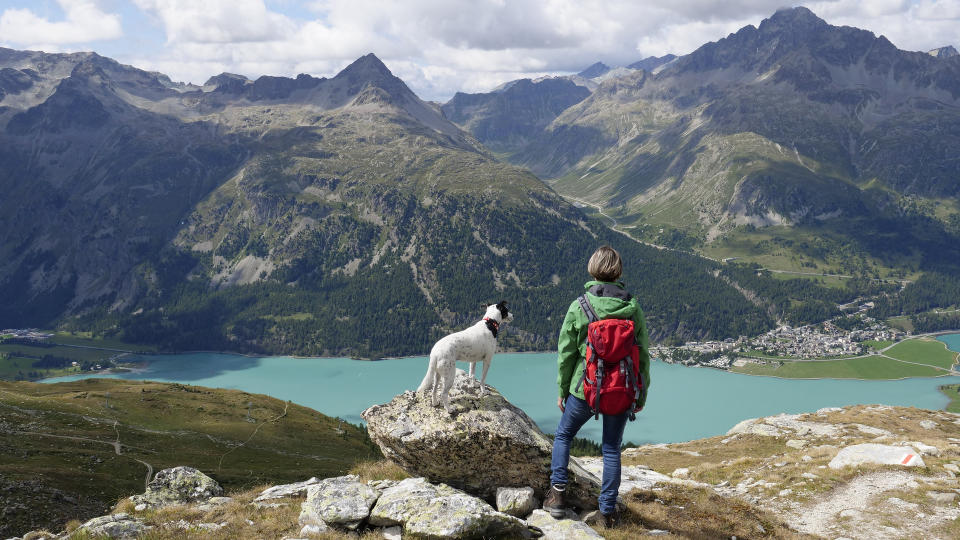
473	345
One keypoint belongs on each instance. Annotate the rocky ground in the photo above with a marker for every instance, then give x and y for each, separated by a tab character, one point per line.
856	472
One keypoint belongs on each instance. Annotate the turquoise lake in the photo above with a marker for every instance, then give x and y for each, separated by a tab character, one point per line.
685	403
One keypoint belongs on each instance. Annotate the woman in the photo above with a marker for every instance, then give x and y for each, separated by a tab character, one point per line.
609	300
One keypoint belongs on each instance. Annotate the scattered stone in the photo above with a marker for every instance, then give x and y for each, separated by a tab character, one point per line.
797	444
428	510
392	533
851	513
785	492
870	430
518	502
942	496
186	525
725	483
213	503
657	532
876	453
140	507
631	476
806	459
382	485
928	424
426	441
342	501
562	529
121	526
810	476
263	505
900	503
681	472
951	467
286	490
314	529
774	426
924	449
827	410
178	485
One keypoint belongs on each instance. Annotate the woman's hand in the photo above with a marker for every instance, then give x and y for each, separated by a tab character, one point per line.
560	403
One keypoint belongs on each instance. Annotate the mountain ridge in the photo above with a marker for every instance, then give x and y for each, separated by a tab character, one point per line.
244	216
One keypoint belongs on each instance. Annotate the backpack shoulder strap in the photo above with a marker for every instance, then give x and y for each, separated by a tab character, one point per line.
587	308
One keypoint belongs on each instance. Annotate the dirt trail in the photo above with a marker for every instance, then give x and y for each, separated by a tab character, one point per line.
260	425
117	447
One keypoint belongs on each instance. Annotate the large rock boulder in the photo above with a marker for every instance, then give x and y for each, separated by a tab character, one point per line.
120	526
440	511
486	443
518	502
179	485
342	502
561	529
880	454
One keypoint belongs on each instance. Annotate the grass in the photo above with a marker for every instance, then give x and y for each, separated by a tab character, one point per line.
162	424
871	367
924	351
878	345
952	391
903	323
691	512
14	359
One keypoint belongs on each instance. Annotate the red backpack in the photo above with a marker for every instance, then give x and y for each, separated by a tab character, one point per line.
611	381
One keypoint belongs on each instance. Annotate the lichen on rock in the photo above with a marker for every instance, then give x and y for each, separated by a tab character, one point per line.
342	501
440	511
178	485
486	444
119	526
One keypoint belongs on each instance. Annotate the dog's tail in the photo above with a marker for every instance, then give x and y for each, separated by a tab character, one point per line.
428	379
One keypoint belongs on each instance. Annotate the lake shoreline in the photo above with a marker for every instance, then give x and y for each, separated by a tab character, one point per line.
426	355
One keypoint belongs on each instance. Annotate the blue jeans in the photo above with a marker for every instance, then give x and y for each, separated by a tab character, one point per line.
576	412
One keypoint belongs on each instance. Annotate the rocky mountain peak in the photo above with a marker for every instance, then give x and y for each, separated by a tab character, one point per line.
797	16
944	52
367	66
227	82
595	70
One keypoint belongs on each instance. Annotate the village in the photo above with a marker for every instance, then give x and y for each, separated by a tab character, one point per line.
815	341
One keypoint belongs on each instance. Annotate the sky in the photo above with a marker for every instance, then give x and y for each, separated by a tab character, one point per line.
438	47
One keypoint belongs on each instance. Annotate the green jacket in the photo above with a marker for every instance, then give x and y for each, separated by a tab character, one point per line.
572	344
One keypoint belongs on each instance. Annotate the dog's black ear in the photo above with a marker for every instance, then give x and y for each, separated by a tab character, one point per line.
502	306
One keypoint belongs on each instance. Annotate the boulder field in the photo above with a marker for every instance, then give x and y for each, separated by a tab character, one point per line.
854	472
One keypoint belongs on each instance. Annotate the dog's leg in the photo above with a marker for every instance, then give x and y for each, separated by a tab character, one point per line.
483	378
445	384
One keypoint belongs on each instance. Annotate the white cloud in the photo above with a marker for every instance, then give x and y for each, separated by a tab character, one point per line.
218	21
85	22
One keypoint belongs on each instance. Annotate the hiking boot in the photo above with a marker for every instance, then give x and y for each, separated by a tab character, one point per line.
553	502
606	521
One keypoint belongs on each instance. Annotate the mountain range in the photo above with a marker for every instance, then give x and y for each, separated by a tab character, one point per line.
346	216
792	132
301	215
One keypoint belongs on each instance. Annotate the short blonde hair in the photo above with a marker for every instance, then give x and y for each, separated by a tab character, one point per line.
605	264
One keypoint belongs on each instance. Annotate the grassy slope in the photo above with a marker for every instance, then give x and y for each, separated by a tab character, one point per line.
952	391
14	359
164	425
924	351
872	367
